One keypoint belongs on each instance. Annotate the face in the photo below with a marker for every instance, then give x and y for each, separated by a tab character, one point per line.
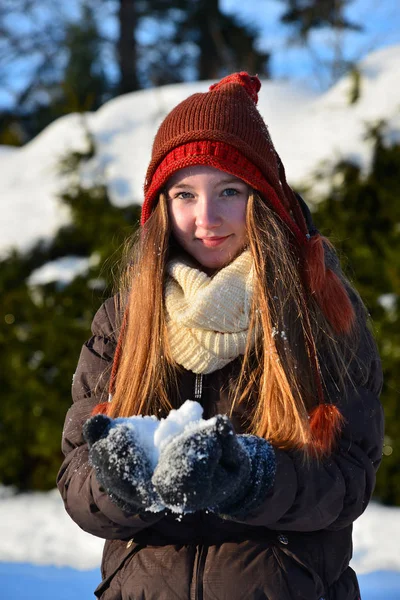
207	209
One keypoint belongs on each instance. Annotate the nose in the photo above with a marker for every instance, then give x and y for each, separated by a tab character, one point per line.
207	213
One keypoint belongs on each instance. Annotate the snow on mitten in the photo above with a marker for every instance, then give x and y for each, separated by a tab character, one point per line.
122	466
262	476
209	466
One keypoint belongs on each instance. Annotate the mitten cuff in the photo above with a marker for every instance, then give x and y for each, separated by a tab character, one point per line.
261	478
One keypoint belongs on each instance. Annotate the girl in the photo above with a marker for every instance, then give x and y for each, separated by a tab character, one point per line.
233	299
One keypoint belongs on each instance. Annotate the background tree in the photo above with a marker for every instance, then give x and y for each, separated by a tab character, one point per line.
364	214
221	41
43	327
180	41
84	84
307	16
225	43
31	42
127	46
56	56
74	61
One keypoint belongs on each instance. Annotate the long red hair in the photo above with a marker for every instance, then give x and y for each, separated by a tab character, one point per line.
281	378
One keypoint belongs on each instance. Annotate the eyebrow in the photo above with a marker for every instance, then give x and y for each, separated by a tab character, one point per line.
179	186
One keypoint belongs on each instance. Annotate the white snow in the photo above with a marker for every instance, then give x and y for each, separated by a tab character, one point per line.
37	530
308	130
144	428
388	301
177	422
154	434
377	539
63	270
29	184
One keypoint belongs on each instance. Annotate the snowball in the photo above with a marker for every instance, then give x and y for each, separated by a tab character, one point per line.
176	422
154	434
144	428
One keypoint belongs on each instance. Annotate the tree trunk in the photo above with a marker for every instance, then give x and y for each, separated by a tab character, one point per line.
126	47
210	53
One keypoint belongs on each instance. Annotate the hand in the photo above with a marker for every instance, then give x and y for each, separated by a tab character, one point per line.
121	465
211	467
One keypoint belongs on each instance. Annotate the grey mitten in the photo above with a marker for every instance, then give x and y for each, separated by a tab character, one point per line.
209	466
121	464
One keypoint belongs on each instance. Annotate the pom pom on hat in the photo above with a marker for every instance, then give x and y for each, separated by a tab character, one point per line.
329	291
326	422
100	409
251	84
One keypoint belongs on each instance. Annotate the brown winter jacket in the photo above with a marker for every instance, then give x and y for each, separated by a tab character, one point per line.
298	545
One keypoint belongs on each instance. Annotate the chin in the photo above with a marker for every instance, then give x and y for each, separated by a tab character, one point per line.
209	262
216	263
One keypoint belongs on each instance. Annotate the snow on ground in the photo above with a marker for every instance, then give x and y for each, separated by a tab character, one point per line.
37	530
44	555
377	540
63	270
307	129
29	184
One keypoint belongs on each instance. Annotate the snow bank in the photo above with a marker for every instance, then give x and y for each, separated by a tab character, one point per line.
376	539
307	129
63	270
37	530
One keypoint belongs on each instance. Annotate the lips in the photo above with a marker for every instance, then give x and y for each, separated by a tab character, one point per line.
213	242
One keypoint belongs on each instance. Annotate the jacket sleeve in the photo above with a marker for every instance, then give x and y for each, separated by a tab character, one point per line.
85	501
334	492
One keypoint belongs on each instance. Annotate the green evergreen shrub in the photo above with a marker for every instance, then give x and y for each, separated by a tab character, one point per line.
43	327
361	215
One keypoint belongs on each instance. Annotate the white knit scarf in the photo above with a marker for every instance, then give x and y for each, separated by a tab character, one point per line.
208	317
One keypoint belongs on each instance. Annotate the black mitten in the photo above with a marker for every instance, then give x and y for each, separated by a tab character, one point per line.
209	466
121	464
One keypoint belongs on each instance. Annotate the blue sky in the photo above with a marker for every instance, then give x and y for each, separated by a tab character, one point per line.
380	19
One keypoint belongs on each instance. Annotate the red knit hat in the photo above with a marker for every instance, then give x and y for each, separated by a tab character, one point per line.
222	128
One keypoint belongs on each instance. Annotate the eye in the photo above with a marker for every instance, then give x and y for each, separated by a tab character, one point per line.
183	195
230	192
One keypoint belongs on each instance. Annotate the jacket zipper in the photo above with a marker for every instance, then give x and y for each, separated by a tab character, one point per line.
201	561
202	550
198	386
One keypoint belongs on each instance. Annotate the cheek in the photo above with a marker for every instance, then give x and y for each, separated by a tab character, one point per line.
237	216
176	215
180	220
